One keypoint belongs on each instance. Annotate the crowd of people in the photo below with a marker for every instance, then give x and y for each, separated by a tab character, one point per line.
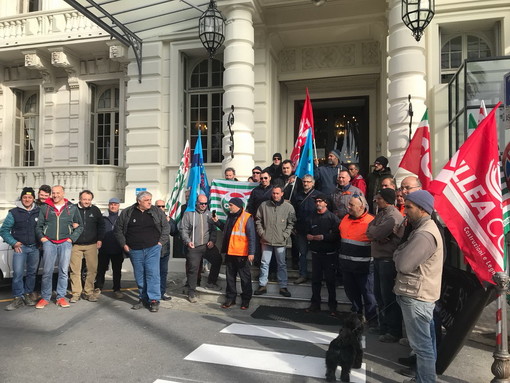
380	242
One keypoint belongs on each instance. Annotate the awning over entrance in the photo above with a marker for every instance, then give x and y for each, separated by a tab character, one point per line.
131	21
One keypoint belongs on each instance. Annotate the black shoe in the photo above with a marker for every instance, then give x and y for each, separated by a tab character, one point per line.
409	361
166	297
139	305
245	305
285	292
260	291
410	372
312	309
154	306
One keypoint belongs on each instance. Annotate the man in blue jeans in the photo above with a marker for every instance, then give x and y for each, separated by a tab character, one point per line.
142	229
58	226
419	265
18	230
275	221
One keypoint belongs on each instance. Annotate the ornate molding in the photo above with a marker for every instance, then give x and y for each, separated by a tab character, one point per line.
334	56
61	57
36	60
117	51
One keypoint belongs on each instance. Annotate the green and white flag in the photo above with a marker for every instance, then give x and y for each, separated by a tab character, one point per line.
223	190
174	203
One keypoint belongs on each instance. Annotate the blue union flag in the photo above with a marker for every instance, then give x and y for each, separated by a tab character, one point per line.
197	177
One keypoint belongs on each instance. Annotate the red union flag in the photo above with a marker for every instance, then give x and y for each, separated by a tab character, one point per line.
468	198
305	123
417	156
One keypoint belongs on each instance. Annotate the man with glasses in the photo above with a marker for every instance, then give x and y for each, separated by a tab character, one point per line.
274	222
343	194
356	178
356	261
255	174
381	169
275	169
409	185
198	233
323	234
304	205
326	176
142	230
165	252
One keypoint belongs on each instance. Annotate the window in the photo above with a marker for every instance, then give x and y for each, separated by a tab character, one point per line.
104	129
458	48
26	124
26	6
204	96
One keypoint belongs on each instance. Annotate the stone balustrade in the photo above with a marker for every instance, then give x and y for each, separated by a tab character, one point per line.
52	25
103	180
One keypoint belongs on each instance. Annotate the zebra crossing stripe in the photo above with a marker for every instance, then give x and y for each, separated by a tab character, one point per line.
316	337
267	361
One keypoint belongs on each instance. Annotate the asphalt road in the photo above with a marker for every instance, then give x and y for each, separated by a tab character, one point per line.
108	342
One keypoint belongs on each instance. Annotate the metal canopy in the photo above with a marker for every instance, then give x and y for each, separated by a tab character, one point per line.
131	21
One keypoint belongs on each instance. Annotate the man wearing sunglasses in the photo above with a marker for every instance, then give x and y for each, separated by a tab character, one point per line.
198	233
255	174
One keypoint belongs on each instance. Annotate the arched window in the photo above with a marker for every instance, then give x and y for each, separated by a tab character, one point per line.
104	132
26	128
205	101
458	48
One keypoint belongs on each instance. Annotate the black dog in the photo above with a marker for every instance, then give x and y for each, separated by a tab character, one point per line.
345	350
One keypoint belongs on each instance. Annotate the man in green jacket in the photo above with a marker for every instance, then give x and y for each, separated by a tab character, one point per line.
59	225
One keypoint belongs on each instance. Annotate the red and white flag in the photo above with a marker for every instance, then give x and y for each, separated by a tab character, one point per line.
305	124
468	198
417	156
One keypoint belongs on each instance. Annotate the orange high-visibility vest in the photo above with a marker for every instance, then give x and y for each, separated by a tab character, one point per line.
238	243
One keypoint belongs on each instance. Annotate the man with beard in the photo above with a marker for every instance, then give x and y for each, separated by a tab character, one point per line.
326	176
381	169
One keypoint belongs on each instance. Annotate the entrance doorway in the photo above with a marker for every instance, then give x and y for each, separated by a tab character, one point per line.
340	123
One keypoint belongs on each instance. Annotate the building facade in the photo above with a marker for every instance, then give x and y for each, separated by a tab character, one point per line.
76	111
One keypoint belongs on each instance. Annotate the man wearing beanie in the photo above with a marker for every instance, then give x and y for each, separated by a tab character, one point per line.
419	265
18	230
381	170
239	249
275	169
326	176
384	243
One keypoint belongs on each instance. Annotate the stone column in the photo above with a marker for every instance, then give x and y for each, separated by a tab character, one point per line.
406	76
239	85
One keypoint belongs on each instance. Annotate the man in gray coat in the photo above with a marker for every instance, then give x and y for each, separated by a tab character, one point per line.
275	221
384	243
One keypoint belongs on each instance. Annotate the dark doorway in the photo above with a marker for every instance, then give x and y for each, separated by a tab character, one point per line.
340	123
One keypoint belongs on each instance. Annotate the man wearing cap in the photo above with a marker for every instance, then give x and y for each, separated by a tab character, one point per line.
355	260
323	235
275	169
384	243
86	247
58	226
419	264
18	230
255	174
381	169
326	176
274	222
110	251
239	249
343	193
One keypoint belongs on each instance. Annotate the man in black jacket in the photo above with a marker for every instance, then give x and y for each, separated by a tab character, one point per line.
110	251
323	235
142	230
86	248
